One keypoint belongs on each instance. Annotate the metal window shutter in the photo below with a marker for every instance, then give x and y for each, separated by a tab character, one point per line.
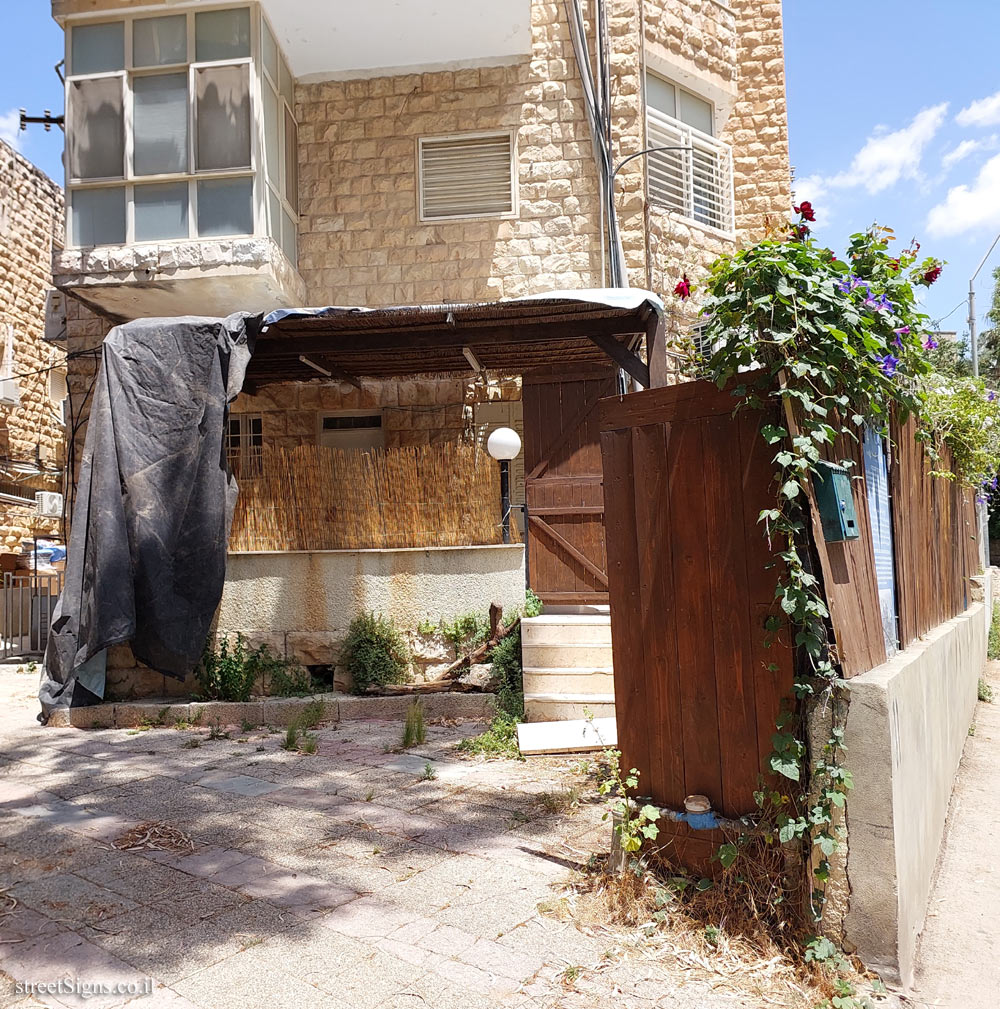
466	176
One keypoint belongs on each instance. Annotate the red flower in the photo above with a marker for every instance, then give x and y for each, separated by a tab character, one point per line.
800	232
805	211
683	288
932	274
894	264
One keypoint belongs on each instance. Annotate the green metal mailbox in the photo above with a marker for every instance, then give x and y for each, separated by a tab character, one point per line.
832	485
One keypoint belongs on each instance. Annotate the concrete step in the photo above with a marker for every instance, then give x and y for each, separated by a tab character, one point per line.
577	655
559	629
558	709
569	680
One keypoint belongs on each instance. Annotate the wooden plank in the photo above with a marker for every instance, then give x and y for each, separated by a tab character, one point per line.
686	401
540	525
695	630
729	591
657	612
771	686
628	647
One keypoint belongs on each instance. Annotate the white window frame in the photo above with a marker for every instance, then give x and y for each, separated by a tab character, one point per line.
470	135
237	452
374	412
257	169
665	130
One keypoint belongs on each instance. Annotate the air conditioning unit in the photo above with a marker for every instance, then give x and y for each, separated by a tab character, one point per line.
55	316
49	504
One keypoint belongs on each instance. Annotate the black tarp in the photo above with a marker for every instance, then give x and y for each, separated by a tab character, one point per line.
150	525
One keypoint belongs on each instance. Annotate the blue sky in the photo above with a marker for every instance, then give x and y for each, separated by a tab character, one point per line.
894	109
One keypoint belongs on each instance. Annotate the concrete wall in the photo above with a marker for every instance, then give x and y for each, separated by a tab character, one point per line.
906	727
300	603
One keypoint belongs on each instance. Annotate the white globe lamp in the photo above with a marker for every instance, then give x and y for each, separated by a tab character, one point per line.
504	444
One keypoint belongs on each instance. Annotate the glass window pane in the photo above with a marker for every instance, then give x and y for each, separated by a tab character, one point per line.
291	161
272	135
98	216
159	41
273	215
161	211
287	85
694	112
160	124
223	118
222	35
289	243
225	207
96	49
661	96
95	139
270	51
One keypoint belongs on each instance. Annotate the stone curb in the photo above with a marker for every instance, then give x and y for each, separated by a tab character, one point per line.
276	711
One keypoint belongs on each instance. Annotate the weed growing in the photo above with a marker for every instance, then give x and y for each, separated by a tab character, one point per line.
499	740
414	731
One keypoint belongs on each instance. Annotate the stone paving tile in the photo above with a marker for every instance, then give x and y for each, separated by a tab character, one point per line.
375	979
238	784
368	918
234	984
70	899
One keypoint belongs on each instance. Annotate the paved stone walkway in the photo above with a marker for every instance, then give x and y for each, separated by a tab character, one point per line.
958	960
353	877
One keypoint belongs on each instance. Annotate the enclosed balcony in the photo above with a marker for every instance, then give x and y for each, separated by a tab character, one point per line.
182	154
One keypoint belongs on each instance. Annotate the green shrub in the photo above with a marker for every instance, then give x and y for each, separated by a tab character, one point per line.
374	652
499	740
993	647
532	604
312	714
466	632
414	732
283	677
224	674
505	658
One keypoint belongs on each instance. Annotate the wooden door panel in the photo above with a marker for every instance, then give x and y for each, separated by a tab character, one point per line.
563	485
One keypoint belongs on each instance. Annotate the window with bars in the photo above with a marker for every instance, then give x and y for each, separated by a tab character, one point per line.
244	444
694	180
467	175
164	136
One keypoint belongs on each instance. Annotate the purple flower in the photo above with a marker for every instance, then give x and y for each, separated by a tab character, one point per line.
980	499
991	395
902	331
879	303
888	364
930	343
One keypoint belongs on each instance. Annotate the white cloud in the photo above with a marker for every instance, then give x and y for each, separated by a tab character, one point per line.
888	157
809	187
10	128
963	150
968	208
983	112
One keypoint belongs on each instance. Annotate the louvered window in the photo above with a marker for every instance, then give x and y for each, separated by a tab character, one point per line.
467	176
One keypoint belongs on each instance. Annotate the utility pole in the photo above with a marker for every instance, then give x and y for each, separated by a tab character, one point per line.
973	345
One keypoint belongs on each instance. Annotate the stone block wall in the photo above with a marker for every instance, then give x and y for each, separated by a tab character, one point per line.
31	224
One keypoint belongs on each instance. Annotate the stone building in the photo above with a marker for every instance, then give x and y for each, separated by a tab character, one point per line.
33	370
255	156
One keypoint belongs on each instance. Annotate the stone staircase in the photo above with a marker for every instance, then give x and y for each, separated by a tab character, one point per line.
567	665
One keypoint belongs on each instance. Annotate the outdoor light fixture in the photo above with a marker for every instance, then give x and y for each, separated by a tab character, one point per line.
504	444
316	367
474	362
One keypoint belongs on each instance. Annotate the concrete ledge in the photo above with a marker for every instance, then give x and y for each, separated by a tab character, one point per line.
906	727
268	711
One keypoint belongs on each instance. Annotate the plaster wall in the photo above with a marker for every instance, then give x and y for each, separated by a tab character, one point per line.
906	727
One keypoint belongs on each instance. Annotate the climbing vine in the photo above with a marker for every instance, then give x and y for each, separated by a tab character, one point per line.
835	345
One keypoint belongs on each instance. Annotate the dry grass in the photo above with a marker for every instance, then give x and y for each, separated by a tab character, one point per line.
315	498
734	935
154	836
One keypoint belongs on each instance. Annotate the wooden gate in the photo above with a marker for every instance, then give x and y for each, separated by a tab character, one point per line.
563	497
697	690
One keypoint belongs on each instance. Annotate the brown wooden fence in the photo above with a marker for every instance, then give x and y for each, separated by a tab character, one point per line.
316	498
690	587
696	690
937	537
